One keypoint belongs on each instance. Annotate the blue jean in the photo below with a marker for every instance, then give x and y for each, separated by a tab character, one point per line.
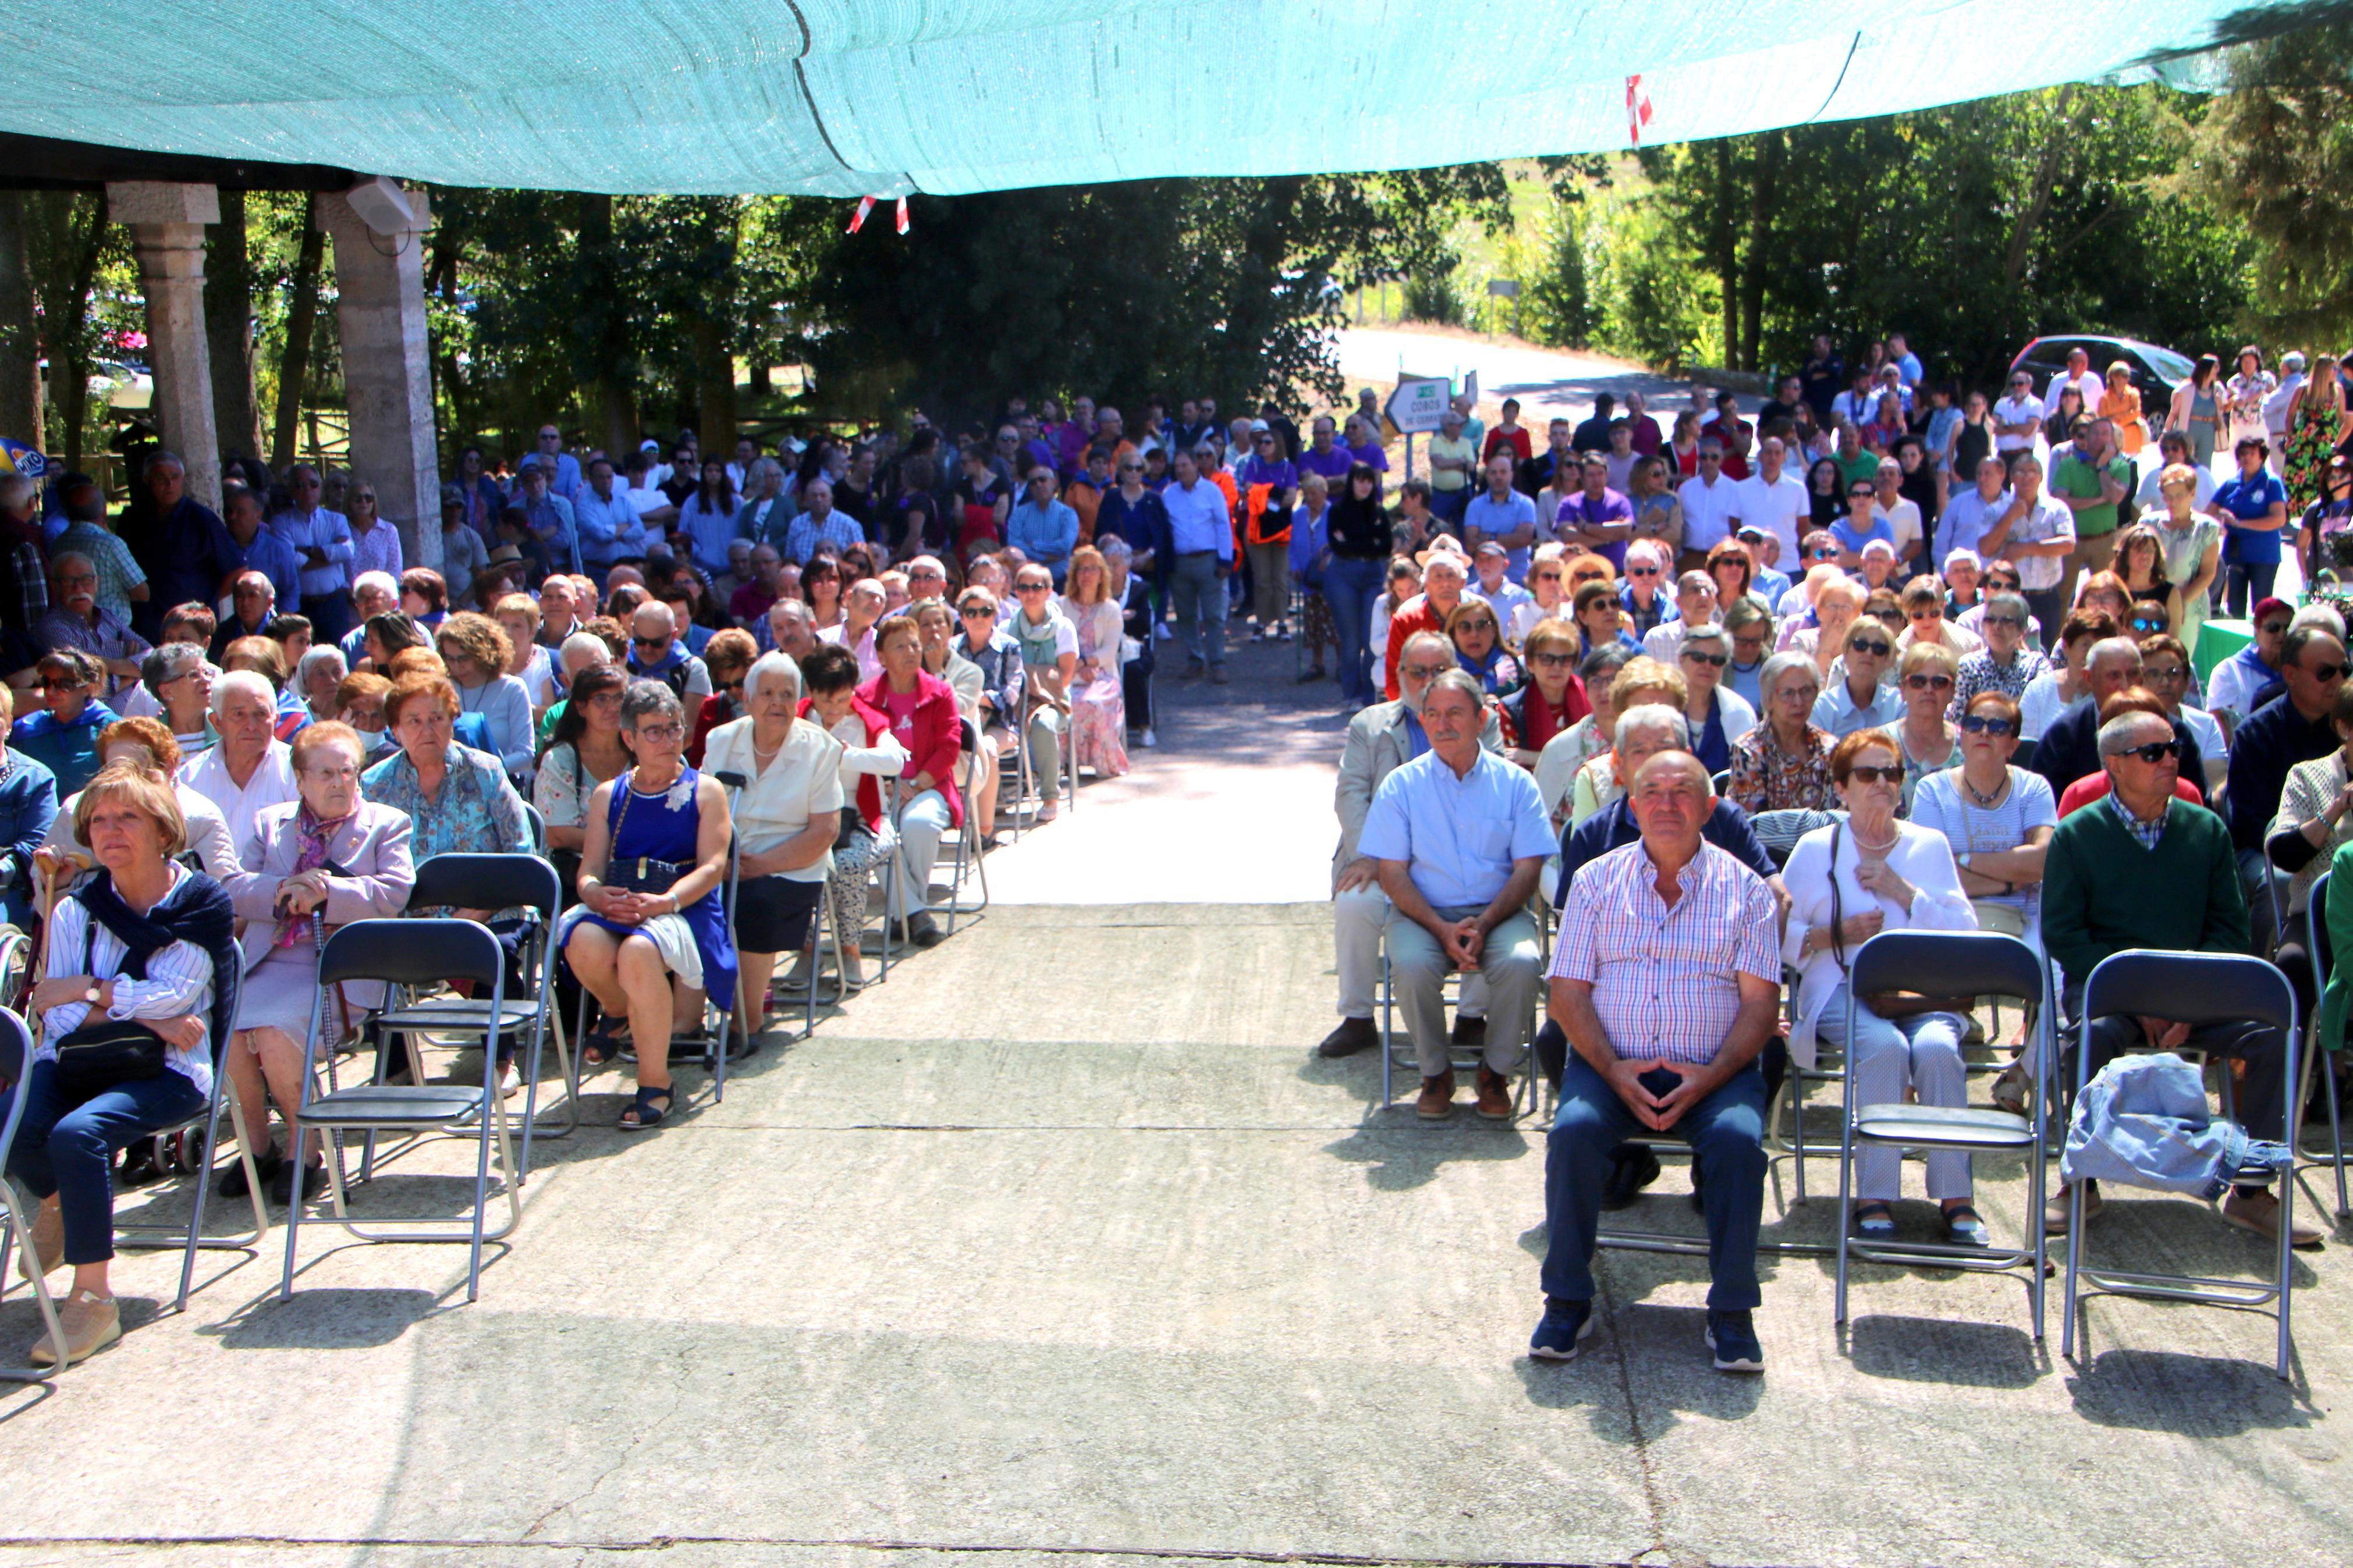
69	1151
1726	1134
1350	587
1199	596
2249	582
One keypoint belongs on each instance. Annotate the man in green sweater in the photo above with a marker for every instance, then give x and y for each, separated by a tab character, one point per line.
2138	868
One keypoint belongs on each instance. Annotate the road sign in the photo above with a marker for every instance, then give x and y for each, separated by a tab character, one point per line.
1418	405
1503	288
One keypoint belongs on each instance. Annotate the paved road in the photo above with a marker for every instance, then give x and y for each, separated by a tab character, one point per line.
1549	382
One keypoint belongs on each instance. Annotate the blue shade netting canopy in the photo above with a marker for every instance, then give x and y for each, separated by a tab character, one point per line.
884	97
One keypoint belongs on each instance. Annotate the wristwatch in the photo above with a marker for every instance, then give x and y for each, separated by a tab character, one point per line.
1965	856
91	995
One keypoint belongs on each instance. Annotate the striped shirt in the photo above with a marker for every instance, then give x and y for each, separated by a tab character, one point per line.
1667	980
179	981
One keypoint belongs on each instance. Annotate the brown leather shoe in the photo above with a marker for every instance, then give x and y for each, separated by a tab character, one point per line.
1494	1095
1354	1034
1436	1101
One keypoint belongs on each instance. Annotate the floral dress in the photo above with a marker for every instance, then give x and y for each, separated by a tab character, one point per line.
1099	708
2184	549
1767	778
475	812
2312	438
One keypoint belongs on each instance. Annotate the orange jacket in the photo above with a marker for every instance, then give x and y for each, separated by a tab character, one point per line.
1255	530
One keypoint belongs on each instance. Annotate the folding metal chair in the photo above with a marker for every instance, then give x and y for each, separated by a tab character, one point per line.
1024	771
537	822
411	952
2320	1056
500	881
970	854
1947	963
191	1239
16	1224
2193	988
713	1049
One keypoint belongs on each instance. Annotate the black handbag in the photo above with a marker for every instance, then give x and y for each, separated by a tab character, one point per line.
642	873
107	1054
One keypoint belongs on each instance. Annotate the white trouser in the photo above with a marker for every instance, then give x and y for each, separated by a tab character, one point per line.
1887	1056
922	823
1359	916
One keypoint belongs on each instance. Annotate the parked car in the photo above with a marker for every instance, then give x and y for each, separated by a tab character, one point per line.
123	385
2156	371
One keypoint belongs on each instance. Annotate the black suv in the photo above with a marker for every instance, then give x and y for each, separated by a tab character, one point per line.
2156	371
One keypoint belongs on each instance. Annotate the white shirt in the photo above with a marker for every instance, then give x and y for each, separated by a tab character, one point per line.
2087	384
1709	512
2016	411
1524	617
802	784
1921	857
272	783
2275	410
1903	522
2149	498
2039	706
1506	599
1777	507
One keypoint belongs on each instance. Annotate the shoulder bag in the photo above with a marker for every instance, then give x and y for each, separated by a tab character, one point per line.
642	873
109	1053
1883	1004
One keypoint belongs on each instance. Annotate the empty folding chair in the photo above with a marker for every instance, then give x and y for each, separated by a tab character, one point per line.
971	858
2195	988
411	952
1947	963
501	881
2320	1054
15	1210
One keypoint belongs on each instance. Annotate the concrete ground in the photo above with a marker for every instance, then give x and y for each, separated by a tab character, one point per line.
1063	1247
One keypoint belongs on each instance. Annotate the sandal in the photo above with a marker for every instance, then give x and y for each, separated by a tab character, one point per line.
601	1045
1874	1219
1964	1226
644	1109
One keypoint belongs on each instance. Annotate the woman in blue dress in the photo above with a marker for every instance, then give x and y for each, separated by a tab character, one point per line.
650	909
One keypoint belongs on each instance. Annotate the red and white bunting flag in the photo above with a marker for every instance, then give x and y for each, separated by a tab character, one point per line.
858	219
1638	110
903	215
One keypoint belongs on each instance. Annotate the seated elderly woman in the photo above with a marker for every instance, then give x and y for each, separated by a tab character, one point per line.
1567	753
1924	620
1098	699
471	729
727	655
145	744
1717	714
312	865
1847	883
28	811
926	804
1554	697
1838	605
1783	765
476	652
146	943
1477	633
1641	680
1929	741
1853	696
787	814
263	657
317	675
1997	818
936	621
1004	681
359	702
178	679
650	907
1602	617
63	737
869	754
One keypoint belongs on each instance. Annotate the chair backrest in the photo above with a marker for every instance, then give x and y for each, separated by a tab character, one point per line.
413	952
537	823
2191	988
15	1046
1949	964
731	780
2315	919
487	882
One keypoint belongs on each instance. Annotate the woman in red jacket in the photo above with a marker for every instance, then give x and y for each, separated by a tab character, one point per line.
922	712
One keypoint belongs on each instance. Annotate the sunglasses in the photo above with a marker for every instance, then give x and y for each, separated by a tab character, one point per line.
1826	552
1032	587
2146	623
1642	571
2326	671
649	642
1424	671
1866	774
2010	621
2154	752
1875	649
1928	682
1716	659
979	613
1553	660
2273	628
1978	724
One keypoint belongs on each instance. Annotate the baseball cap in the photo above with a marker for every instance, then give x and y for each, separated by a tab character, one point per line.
1489	547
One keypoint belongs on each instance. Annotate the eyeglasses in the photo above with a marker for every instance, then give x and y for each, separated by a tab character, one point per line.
2154	752
649	642
2010	621
79	580
1867	774
1875	649
2168	673
1553	660
1978	724
734	685
1805	694
1925	682
1424	671
1711	456
1032	587
1544	577
661	731
1715	661
2273	628
977	612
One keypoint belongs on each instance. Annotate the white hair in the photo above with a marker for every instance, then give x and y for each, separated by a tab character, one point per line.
1977	563
312	657
57	563
253	685
383	581
2321	615
1656	716
583	643
1651	548
777	665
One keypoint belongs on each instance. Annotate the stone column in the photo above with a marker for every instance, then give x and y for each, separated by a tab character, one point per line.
387	371
167	235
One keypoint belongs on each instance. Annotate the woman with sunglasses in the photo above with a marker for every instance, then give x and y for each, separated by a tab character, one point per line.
821	587
1854	699
1735	571
1553	698
1925	625
2164	672
1847	883
1477	637
1929	740
1567	753
1716	714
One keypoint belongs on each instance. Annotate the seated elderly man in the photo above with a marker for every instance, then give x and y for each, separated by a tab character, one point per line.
1460	837
1380	738
77	620
2070	749
251	768
657	653
1667	980
2292	728
2138	868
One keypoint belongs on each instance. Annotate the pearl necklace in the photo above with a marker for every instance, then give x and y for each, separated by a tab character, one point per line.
1870	849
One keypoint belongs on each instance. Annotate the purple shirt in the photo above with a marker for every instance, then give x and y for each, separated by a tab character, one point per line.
1372	456
1332	465
1578	511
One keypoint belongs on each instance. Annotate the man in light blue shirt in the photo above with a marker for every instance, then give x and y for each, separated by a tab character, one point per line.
1042	526
322	541
821	525
607	523
563	468
1504	515
1461	837
1201	544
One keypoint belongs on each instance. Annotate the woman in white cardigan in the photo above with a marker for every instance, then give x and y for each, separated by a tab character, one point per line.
1847	883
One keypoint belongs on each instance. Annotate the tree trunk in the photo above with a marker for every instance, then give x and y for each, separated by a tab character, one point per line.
294	373
614	397
229	330
715	385
20	333
449	375
762	384
1762	187
74	373
1727	254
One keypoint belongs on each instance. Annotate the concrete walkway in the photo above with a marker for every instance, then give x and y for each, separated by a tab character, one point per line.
1063	1248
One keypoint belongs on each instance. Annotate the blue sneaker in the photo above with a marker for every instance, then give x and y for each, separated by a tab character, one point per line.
1565	1323
1733	1337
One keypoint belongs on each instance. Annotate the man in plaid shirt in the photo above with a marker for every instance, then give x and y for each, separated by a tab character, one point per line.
1667	979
